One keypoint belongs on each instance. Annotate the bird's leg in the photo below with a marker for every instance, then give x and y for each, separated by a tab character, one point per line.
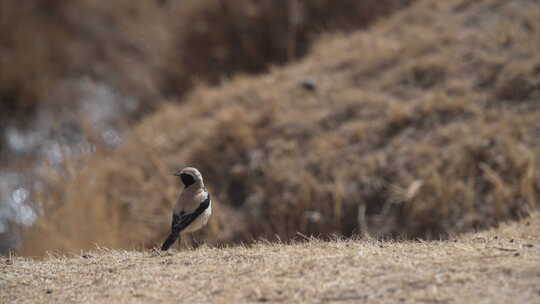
189	241
195	241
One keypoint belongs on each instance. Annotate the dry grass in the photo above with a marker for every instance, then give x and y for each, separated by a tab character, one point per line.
495	266
157	49
228	37
413	128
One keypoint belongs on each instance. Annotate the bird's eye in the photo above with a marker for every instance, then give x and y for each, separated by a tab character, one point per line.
187	179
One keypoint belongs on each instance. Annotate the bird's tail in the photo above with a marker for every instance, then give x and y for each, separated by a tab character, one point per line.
170	240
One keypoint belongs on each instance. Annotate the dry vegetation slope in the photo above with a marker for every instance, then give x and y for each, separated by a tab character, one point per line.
424	125
150	49
495	266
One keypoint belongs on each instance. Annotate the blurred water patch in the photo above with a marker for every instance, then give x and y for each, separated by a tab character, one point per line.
15	205
15	209
95	114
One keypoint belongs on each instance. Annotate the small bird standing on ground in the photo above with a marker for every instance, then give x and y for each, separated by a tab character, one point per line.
193	207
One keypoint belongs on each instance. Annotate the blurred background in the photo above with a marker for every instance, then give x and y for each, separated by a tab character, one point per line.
389	118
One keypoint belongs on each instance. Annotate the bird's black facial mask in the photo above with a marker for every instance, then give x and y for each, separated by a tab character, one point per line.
187	179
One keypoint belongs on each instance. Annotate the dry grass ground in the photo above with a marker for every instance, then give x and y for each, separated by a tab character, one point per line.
424	125
495	266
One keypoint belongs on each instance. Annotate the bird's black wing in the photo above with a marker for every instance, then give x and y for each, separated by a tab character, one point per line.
175	234
181	221
176	219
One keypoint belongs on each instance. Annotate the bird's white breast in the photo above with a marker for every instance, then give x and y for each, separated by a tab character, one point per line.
200	221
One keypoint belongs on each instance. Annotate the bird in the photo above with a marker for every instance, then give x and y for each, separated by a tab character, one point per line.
193	206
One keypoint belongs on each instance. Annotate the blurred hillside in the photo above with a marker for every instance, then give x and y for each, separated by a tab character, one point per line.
155	49
75	74
424	125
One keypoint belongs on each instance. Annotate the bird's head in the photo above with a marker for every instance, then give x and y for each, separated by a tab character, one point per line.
190	176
